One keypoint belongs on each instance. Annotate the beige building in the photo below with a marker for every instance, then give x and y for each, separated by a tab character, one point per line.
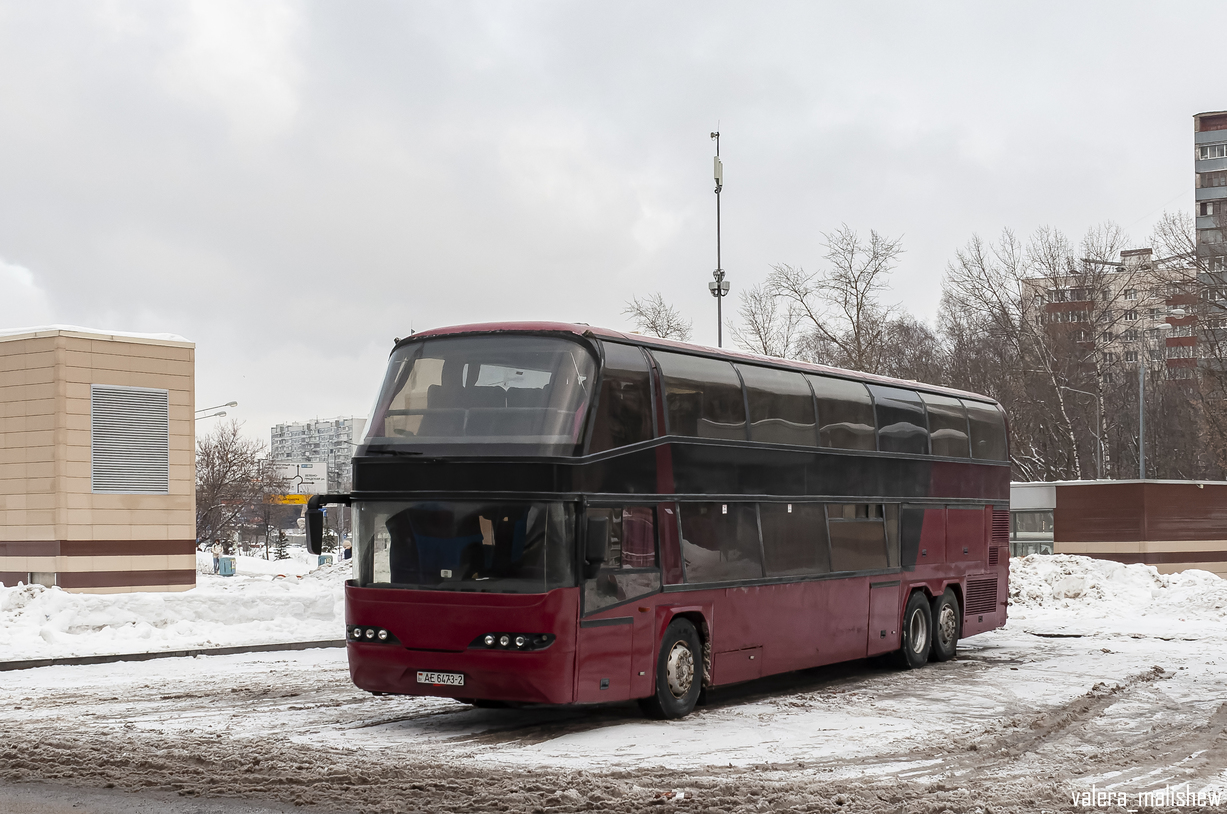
97	468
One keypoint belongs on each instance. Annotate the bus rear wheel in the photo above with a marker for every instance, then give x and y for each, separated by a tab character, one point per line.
679	673
945	626
917	632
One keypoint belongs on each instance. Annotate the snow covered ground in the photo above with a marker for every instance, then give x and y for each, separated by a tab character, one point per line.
265	602
1108	678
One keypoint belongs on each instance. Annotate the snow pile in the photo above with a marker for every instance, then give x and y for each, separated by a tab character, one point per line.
38	622
1105	588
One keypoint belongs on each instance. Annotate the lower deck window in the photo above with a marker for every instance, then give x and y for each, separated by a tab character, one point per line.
720	542
723	542
629	570
794	539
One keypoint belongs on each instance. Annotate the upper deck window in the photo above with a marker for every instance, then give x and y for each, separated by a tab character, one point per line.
845	413
506	394
702	397
624	410
988	437
947	426
781	406
901	420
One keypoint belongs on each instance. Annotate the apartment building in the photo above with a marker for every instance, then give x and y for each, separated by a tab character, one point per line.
1210	182
1123	310
323	440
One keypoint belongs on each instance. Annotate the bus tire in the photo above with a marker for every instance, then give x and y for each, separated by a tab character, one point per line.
917	633
946	618
679	673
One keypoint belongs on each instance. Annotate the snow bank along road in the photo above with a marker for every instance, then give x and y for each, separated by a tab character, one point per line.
1108	679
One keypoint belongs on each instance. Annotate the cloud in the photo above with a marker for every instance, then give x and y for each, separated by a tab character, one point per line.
240	59
23	302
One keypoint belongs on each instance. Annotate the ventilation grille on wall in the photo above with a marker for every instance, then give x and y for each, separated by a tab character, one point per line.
981	596
129	439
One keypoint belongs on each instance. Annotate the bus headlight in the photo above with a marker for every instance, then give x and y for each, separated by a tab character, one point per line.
513	641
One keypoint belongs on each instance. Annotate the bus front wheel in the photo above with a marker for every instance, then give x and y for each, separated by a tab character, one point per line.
679	673
917	632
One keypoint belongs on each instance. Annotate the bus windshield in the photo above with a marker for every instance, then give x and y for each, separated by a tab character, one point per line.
448	545
523	395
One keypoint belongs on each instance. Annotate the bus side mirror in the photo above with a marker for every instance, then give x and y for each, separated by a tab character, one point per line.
315	519
596	545
315	529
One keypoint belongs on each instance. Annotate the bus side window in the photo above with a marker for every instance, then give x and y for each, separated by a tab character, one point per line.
720	542
947	426
781	406
845	413
988	441
703	397
623	415
630	566
858	536
794	538
901	420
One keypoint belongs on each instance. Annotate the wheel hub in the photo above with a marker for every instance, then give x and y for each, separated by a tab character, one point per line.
947	625
917	630
679	670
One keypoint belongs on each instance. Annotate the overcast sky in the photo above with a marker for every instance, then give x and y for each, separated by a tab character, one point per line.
291	185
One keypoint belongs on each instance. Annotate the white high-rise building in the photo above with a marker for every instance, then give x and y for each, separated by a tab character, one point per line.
322	440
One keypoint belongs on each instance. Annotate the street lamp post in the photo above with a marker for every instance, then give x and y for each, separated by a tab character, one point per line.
216	407
1143	363
1098	427
719	287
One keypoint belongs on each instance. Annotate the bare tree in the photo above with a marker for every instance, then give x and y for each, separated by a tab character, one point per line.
913	350
234	476
654	317
768	328
842	305
1200	287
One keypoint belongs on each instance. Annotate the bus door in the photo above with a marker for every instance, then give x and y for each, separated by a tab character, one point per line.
615	651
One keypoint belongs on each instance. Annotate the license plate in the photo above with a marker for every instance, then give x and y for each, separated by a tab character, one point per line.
446	679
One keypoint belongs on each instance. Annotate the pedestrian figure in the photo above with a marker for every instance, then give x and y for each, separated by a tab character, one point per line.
217	556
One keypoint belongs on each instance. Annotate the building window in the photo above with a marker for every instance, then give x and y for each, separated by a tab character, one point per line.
1109	357
1131	315
1213	179
1131	293
129	440
1131	356
1205	208
1208	151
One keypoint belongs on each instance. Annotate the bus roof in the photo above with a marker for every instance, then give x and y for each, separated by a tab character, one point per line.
582	330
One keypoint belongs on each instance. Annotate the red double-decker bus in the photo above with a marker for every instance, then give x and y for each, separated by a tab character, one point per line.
557	514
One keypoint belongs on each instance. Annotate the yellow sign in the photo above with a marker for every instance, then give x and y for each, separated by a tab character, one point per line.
289	500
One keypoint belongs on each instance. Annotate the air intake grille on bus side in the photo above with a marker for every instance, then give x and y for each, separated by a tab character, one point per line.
993	555
129	440
981	596
1001	527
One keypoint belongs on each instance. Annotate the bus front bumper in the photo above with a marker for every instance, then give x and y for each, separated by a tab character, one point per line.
436	632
